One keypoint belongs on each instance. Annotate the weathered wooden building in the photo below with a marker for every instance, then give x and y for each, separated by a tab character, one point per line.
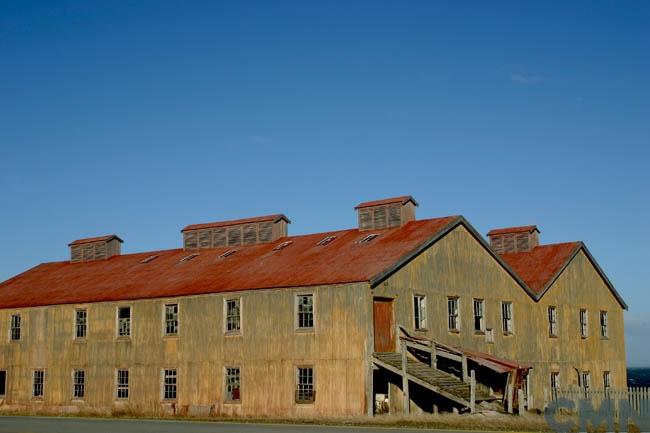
397	314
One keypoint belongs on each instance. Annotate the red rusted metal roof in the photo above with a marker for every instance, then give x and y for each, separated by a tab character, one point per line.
272	218
522	229
302	263
401	199
540	265
495	363
97	239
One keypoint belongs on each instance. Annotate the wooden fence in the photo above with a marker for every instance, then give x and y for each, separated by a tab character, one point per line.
637	398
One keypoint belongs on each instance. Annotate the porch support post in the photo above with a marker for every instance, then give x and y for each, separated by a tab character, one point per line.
464	365
405	379
472	392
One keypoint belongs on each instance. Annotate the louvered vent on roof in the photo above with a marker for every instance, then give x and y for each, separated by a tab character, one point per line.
90	249
514	239
248	231
380	214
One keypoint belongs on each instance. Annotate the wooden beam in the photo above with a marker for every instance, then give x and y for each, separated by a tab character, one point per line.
472	392
405	379
464	365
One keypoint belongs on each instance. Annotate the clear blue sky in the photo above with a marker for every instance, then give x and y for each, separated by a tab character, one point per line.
137	118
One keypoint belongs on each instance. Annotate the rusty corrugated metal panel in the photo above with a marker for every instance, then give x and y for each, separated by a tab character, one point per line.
522	229
303	263
538	266
273	218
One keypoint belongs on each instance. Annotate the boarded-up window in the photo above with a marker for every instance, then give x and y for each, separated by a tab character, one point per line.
250	234
234	236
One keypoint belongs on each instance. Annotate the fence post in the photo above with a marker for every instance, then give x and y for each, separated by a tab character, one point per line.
472	392
405	379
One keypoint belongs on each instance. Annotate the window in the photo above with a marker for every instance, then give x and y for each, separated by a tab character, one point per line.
586	381
420	311
604	332
3	383
506	315
479	315
233	390
368	238
552	321
233	315
282	245
39	380
149	259
452	312
227	254
326	241
305	392
489	335
78	384
80	323
124	322
188	258
305	311
607	381
122	384
171	319
15	327
169	384
584	323
555	384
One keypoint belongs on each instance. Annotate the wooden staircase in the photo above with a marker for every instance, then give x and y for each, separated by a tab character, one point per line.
442	383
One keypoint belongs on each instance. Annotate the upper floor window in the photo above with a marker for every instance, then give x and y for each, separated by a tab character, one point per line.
170	381
607	381
233	389
124	322
506	316
604	331
420	311
552	321
233	315
78	384
80	323
479	315
586	381
122	384
15	327
171	319
305	392
453	321
584	323
305	311
38	384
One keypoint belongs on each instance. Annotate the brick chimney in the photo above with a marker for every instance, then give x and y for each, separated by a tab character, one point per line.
99	248
247	231
514	239
390	212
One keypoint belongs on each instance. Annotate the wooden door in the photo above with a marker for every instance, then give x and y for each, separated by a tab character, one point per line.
384	325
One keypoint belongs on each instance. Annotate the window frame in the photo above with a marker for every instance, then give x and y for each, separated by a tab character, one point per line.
15	331
584	323
121	386
76	385
227	394
118	321
453	315
164	384
41	395
607	380
555	384
83	325
166	321
507	323
226	317
297	312
481	318
604	325
420	312
298	384
552	321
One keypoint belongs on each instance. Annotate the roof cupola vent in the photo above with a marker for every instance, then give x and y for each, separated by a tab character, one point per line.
386	213
514	239
99	248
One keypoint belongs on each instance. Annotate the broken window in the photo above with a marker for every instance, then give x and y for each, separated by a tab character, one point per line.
552	321
305	392
506	315
452	313
233	315
78	384
171	319
604	331
169	384
233	389
607	381
555	384
305	311
586	381
38	383
81	323
584	323
420	311
15	327
479	317
124	321
122	384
